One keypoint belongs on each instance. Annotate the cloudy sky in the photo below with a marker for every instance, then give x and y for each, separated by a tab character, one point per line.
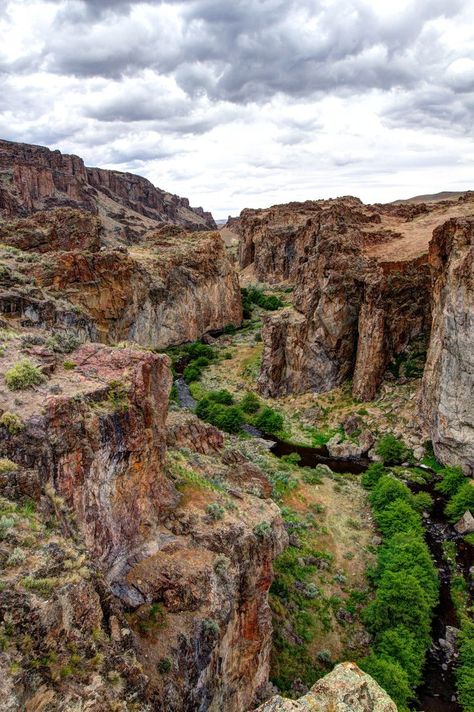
245	103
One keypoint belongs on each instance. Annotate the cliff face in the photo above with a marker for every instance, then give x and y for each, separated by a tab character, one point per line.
172	288
361	288
448	380
34	178
189	588
346	687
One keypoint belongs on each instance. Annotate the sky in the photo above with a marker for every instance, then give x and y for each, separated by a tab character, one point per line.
248	103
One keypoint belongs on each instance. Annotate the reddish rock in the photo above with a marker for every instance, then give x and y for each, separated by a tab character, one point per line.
36	178
60	229
448	380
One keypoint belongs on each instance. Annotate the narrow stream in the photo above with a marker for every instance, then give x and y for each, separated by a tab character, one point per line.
438	690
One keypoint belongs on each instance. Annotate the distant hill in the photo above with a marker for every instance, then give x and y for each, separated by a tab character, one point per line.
433	197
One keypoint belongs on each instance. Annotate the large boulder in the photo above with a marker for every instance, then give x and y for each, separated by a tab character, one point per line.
345	689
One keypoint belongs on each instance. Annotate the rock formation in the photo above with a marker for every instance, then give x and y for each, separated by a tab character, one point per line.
345	688
34	178
362	288
448	380
90	445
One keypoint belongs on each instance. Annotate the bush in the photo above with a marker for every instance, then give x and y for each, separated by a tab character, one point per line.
372	475
399	516
192	373
400	600
7	465
262	530
223	397
117	396
391	450
391	676
250	403
164	665
386	491
462	501
12	422
422	501
453	479
292	459
23	375
228	418
269	421
254	295
399	645
63	342
215	511
406	553
465	669
198	349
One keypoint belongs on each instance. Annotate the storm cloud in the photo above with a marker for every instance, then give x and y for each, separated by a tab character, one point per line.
209	99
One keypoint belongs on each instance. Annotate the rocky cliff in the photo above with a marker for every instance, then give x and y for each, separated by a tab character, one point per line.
184	544
448	380
34	178
171	288
345	688
361	288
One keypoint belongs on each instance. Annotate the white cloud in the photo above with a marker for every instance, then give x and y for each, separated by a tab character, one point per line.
252	102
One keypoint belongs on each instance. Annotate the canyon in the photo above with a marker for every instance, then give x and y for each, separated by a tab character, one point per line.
141	546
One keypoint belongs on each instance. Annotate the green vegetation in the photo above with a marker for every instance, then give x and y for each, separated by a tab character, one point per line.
214	411
250	403
215	511
23	375
69	365
63	342
460	502
453	479
7	465
117	397
406	584
269	421
254	295
391	450
12	422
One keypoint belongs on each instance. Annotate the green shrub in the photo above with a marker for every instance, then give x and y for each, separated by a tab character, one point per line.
228	418
254	295
400	600
223	397
69	365
23	375
407	553
453	479
12	422
386	491
7	465
210	628
164	665
192	373
391	450
198	349
262	530
462	501
399	516
372	475
292	459
399	645
465	668
269	421
117	396
215	511
391	676
63	342
422	501
250	403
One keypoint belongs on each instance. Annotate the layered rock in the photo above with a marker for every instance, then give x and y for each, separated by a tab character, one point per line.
448	380
345	688
34	178
170	289
186	546
362	288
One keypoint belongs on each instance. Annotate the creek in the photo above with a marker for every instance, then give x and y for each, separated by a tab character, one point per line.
437	693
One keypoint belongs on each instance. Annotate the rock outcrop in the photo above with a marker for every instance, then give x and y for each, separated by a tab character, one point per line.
448	380
172	288
183	544
34	178
361	288
345	688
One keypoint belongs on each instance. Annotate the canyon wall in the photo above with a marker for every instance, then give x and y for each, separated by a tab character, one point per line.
34	178
353	308
448	380
190	590
171	288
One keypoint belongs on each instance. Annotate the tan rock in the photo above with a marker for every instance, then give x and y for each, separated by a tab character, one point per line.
345	689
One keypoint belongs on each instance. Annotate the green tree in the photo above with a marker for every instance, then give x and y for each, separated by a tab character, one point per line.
391	676
269	421
461	502
399	516
372	475
391	450
386	491
399	645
